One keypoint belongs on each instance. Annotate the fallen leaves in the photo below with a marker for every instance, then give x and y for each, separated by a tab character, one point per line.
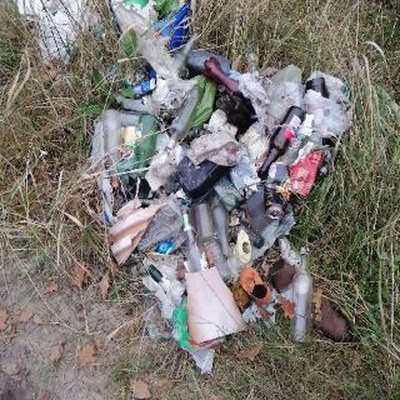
140	389
56	351
10	369
104	285
287	306
88	352
3	318
80	275
50	288
24	316
250	353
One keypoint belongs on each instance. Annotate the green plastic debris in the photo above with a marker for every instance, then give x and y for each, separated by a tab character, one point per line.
166	7
180	325
203	111
139	3
143	150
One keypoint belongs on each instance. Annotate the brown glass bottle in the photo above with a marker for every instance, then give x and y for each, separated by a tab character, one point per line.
280	140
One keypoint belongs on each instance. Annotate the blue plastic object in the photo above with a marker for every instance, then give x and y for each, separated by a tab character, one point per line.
176	27
165	247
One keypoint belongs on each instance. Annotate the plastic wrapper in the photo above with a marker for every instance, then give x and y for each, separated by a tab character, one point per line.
304	173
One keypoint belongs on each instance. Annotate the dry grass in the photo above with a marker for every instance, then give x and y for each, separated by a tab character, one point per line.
351	220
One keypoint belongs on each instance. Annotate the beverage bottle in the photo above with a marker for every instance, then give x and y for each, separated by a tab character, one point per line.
212	69
303	136
192	250
220	218
302	297
281	138
180	124
207	239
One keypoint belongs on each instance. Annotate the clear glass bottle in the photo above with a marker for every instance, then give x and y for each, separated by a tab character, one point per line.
302	297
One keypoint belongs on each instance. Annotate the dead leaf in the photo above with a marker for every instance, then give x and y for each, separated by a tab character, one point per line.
11	369
43	395
51	287
57	351
161	387
24	316
318	295
140	389
287	306
104	285
86	354
3	318
251	353
80	275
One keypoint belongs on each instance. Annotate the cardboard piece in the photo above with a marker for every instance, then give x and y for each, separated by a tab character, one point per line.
212	311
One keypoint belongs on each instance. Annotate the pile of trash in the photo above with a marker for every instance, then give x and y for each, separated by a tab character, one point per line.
199	170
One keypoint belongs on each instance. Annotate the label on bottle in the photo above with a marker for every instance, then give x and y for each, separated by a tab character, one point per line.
295	122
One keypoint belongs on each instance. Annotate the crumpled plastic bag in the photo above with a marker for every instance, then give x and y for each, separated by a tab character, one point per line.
169	295
163	166
329	117
59	21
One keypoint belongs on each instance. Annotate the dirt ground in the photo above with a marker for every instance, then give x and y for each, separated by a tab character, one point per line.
65	317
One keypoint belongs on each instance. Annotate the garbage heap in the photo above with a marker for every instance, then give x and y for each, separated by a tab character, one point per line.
199	170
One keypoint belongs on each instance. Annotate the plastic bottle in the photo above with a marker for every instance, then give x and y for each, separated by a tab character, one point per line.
280	140
180	124
302	297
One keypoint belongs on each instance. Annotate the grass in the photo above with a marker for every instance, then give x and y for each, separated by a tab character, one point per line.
350	221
